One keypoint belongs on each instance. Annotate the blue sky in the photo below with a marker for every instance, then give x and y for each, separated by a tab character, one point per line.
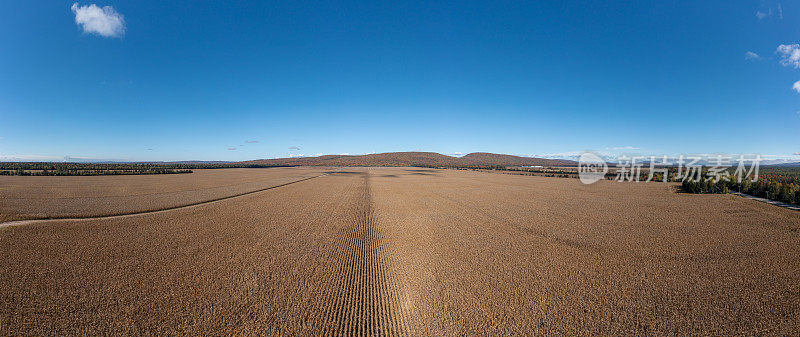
184	80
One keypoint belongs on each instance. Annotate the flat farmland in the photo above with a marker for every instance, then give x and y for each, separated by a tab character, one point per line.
409	251
41	197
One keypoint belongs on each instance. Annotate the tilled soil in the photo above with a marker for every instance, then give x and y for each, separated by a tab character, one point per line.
44	197
409	251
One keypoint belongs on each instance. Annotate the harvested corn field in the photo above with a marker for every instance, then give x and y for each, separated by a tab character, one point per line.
87	196
409	251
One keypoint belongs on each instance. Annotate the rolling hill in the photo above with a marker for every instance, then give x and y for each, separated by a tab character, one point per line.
415	159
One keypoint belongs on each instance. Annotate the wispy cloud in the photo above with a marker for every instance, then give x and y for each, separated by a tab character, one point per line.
559	155
751	56
670	158
104	21
231	149
789	55
768	8
296	155
294	148
249	141
618	148
29	157
796	86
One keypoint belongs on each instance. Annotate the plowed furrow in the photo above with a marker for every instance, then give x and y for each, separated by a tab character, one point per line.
363	293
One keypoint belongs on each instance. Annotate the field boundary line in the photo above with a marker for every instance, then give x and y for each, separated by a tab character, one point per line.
160	210
768	201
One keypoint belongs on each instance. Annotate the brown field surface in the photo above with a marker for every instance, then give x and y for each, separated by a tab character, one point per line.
42	197
406	251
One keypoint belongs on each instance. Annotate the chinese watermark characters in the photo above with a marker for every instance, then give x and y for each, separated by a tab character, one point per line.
592	168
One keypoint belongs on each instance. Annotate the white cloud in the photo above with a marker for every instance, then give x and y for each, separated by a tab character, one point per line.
231	149
30	157
751	56
251	141
761	15
789	54
796	86
294	148
573	155
626	148
54	158
296	155
101	21
797	153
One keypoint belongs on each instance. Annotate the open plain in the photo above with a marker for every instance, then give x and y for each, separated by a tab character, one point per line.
392	251
45	197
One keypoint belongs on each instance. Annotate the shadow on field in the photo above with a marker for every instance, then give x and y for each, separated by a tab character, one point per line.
345	172
423	172
389	176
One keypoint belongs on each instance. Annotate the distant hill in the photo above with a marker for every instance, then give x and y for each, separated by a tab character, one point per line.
786	165
195	162
415	159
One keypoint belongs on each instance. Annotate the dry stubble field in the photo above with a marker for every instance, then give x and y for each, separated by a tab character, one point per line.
405	251
41	197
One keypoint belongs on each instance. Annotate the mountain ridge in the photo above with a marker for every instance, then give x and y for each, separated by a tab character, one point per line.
415	159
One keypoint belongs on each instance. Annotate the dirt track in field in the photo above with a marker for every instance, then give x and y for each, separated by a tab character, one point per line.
408	251
306	258
363	293
54	197
136	213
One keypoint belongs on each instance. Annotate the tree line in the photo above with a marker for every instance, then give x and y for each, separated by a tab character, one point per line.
94	169
778	187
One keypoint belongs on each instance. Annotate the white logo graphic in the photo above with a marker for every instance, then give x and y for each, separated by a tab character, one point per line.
591	168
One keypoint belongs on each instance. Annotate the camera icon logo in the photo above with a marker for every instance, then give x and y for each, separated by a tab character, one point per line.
591	168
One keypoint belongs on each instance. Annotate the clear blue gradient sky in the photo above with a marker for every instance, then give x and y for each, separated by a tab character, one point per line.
183	80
